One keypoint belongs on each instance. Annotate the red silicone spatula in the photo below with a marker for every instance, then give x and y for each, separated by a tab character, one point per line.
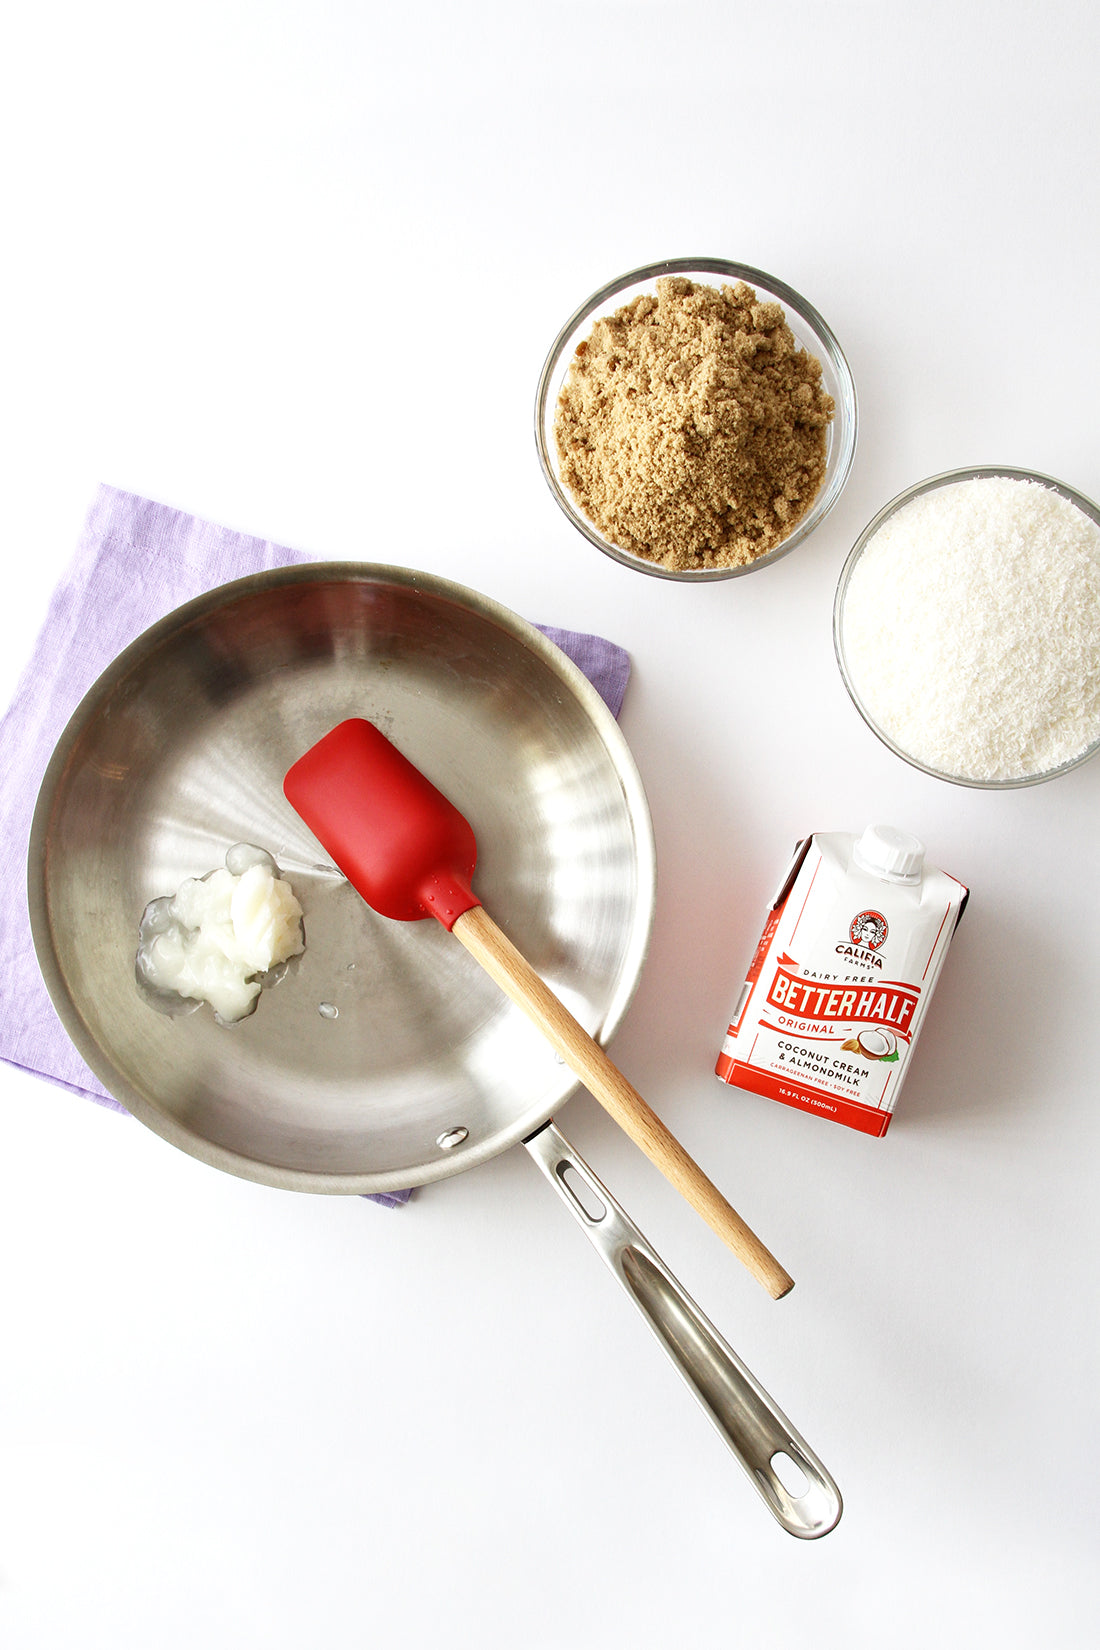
411	854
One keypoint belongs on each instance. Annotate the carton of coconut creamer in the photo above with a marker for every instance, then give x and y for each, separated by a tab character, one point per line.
841	979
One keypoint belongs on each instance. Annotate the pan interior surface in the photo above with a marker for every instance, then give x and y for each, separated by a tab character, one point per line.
384	1057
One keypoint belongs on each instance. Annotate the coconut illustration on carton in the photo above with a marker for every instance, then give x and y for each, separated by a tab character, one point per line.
874	1044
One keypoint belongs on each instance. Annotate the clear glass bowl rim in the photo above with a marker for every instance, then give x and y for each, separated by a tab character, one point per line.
844	424
947	478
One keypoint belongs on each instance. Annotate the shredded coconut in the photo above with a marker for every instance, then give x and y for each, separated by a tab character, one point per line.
971	629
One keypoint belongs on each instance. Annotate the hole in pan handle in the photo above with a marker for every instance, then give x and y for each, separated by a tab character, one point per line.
805	1500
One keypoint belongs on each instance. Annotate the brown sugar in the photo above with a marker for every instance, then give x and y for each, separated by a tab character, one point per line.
691	426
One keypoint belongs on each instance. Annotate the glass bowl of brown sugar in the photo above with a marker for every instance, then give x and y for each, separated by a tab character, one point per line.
696	419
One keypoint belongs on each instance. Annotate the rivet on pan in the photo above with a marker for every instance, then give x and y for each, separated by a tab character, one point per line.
451	1138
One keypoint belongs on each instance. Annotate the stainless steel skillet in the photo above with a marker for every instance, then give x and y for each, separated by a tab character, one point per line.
383	1059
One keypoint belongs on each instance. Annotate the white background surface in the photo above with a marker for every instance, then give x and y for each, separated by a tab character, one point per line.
294	268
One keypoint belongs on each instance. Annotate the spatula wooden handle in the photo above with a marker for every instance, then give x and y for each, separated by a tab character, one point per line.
587	1060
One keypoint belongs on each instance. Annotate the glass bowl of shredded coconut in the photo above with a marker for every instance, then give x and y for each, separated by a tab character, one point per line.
696	419
967	627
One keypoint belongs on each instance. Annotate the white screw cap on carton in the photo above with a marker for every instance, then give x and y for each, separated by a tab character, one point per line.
888	853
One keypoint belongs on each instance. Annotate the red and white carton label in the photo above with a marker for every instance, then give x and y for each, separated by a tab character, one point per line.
839	984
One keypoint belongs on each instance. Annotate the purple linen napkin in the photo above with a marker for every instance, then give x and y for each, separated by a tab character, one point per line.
135	562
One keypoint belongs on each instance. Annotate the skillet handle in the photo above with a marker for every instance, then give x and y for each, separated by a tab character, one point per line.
754	1427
